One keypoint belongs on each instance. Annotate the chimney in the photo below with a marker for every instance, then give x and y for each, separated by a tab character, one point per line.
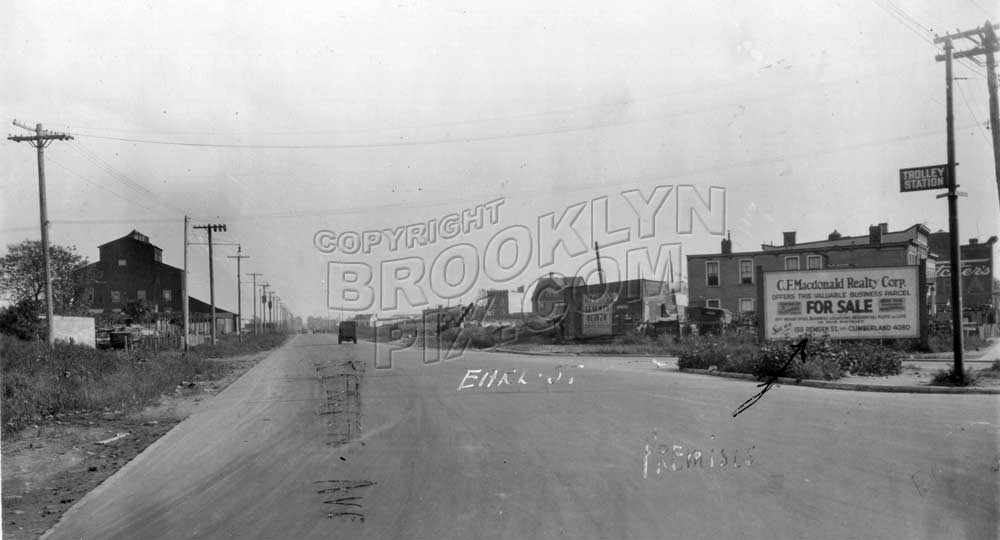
884	227
789	238
875	234
727	243
834	235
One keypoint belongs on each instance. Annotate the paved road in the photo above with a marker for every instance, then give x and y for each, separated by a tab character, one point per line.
529	459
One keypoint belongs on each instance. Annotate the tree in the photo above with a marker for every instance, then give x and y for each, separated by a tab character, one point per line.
139	311
22	276
22	319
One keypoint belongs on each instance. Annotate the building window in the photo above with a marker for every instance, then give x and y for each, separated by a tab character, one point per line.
122	262
792	263
167	295
746	305
912	258
140	295
814	262
713	303
746	271
116	297
712	273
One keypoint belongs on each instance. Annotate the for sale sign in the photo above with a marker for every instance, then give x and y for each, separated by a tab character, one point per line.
923	178
849	303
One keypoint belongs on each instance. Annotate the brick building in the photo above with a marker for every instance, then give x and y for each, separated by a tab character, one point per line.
977	275
727	280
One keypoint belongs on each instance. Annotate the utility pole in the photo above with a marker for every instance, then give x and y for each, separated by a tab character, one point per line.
239	291
40	140
263	308
273	305
985	43
184	289
270	308
212	227
253	295
955	251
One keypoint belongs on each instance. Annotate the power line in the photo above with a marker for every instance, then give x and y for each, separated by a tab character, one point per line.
919	29
729	103
123	178
95	184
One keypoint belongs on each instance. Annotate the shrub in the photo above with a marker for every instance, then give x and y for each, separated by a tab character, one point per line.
948	377
702	354
21	320
824	359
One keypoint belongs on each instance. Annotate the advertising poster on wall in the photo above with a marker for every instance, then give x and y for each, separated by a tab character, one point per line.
596	319
850	303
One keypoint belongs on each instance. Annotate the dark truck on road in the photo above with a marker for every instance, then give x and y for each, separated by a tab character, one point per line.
347	331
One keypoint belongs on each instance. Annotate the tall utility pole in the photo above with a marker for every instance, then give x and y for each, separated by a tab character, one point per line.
270	308
954	248
253	295
985	43
239	291
272	304
263	308
184	289
212	227
40	140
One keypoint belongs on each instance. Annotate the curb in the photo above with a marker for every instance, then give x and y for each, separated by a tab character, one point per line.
610	355
852	386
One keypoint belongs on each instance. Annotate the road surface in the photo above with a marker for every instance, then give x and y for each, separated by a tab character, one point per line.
523	458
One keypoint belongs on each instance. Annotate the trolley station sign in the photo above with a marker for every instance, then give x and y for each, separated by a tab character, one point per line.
923	178
849	303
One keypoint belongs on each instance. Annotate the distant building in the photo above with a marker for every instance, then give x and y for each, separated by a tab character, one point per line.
365	320
549	299
727	280
497	304
977	275
131	268
617	308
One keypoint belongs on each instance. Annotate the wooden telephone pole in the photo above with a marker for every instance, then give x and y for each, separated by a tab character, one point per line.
213	227
40	140
986	43
239	291
253	295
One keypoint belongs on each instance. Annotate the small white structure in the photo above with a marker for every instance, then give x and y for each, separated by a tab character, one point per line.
78	330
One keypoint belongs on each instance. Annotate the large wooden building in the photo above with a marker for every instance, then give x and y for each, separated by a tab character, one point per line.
131	268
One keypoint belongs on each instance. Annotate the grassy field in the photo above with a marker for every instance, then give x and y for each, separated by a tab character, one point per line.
39	382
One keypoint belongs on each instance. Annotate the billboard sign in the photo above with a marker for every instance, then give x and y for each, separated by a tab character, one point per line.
849	303
596	320
923	178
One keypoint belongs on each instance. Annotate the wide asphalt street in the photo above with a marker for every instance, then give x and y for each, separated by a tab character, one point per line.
560	447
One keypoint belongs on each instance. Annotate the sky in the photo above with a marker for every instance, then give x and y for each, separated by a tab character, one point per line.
285	119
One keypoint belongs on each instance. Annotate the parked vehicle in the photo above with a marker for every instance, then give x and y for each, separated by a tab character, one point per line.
125	339
347	331
102	339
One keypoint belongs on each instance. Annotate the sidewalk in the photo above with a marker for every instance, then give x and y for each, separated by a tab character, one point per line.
914	379
987	354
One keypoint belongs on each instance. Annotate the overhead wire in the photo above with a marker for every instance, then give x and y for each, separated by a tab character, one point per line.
122	177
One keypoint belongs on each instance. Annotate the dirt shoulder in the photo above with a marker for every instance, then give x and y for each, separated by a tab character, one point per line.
48	467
